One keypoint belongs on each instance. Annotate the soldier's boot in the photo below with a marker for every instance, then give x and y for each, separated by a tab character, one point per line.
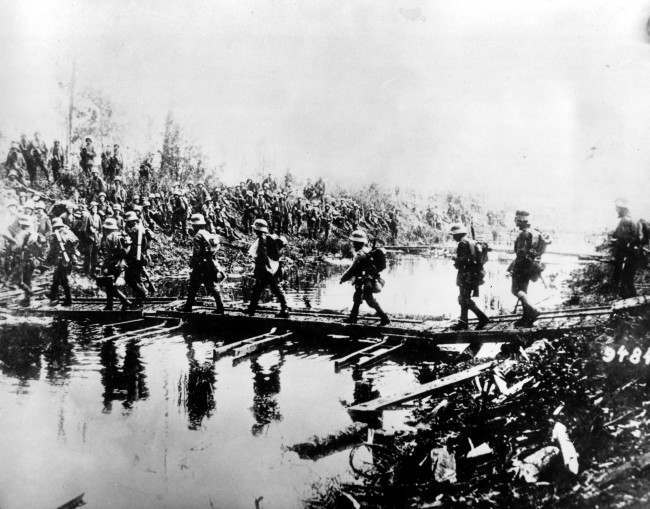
483	320
354	313
67	301
126	303
462	323
384	320
109	300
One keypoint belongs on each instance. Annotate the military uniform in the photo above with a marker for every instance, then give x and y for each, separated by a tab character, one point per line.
365	279
626	250
136	260
205	269
27	250
266	253
63	251
469	278
114	248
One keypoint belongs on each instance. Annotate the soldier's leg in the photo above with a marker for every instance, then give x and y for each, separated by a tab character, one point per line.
133	277
109	287
212	290
471	305
192	288
65	284
278	293
258	288
463	297
530	314
56	282
369	297
26	283
357	298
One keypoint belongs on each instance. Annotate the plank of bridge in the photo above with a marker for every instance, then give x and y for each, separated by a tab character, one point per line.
378	357
422	391
355	355
251	348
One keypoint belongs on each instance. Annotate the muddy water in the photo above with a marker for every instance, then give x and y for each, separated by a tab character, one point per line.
157	423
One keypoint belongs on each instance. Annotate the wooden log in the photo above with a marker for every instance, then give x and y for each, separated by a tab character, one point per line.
338	363
379	356
124	323
132	332
378	404
257	346
225	349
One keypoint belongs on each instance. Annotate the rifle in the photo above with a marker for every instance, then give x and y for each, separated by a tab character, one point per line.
64	253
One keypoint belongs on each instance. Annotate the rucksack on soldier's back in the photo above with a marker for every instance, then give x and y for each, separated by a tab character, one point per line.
378	258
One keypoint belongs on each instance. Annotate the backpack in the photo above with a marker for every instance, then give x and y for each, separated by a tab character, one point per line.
480	252
378	258
539	242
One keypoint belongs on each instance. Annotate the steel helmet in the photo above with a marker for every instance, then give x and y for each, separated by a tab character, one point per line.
117	206
57	222
102	194
39	205
359	236
24	220
458	229
130	216
260	225
197	220
110	224
622	203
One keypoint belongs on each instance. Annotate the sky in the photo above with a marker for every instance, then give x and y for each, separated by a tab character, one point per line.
539	104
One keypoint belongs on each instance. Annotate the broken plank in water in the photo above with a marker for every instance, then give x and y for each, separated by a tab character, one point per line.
225	349
424	390
379	356
142	320
251	348
338	363
131	332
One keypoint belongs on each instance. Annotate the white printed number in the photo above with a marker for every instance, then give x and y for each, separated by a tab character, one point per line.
634	357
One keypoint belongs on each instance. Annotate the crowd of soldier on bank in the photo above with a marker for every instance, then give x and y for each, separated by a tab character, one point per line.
109	228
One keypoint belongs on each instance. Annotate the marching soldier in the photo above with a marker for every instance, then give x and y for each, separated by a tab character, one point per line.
527	266
27	249
205	269
470	276
626	249
136	258
87	156
115	246
57	160
365	277
62	254
266	253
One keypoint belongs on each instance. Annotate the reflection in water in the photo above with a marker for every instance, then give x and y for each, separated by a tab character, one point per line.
127	384
266	386
196	389
59	352
364	390
20	351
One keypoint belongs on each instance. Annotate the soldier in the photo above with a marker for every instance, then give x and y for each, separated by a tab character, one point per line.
96	184
366	278
93	236
179	213
87	156
470	276
136	258
626	240
527	267
115	163
15	164
43	222
39	155
205	269
266	253
118	194
27	250
57	160
62	254
114	248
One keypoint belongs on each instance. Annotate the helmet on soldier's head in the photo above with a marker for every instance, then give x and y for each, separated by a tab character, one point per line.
137	209
102	194
39	205
57	222
130	216
110	224
260	225
622	203
146	203
117	179
197	220
458	229
24	220
359	236
88	138
117	206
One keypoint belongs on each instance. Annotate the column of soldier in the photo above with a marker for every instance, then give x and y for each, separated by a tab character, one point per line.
110	227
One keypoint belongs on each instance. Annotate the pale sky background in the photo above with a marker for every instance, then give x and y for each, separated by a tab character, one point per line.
542	104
